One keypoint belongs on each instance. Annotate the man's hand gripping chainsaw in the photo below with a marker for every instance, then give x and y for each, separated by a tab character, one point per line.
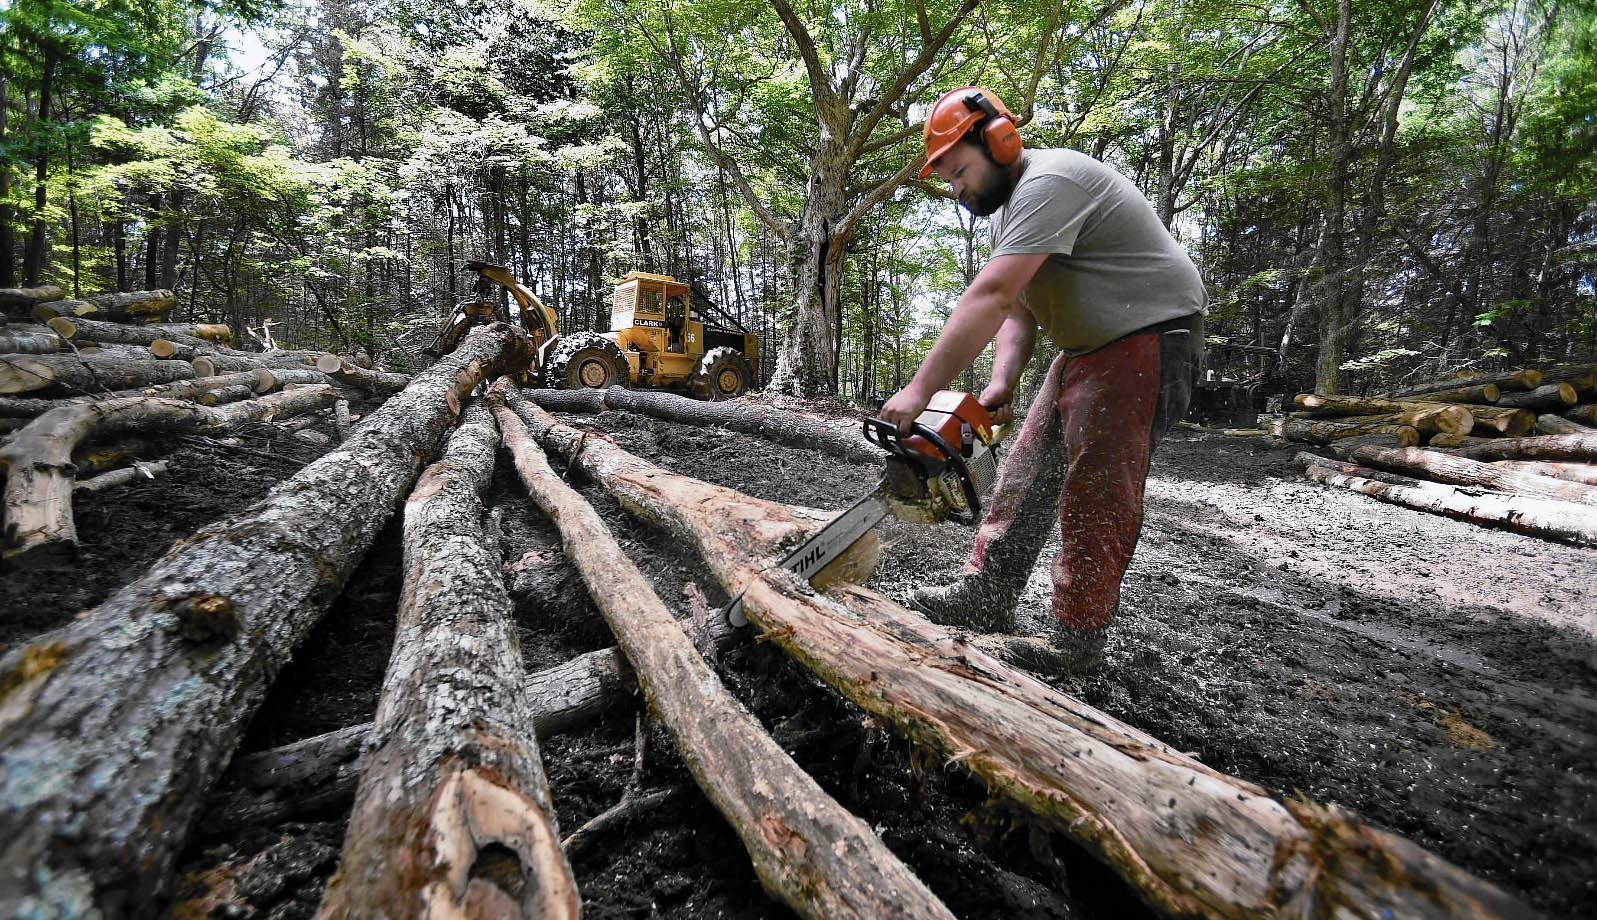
939	472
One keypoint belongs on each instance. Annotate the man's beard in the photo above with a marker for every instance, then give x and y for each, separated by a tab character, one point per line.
993	195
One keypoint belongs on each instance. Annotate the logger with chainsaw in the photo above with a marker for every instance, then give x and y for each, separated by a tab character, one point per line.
1078	251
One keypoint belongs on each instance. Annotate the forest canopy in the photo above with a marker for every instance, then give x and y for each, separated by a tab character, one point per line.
1373	192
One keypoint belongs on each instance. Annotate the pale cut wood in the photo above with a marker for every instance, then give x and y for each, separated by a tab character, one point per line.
120	477
1485	393
1539	517
1404	412
28	342
218	396
83	329
71	375
1192	841
44	312
1557	424
207	365
1308	431
118	723
1506	421
808	851
1448	468
1559	396
1574	472
18	303
454	767
39	529
1512	380
777	425
1578	447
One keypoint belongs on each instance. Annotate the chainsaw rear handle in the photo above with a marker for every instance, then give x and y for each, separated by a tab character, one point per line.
884	434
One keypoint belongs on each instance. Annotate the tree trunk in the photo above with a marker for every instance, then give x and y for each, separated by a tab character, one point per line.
1559	396
807	850
8	244
1586	415
1538	517
1427	417
1456	470
121	720
454	767
81	329
1580	448
1573	472
783	427
182	389
815	259
33	257
349	373
1513	380
33	341
1308	431
39	530
1557	424
1191	840
132	307
18	303
1509	423
1485	393
70	375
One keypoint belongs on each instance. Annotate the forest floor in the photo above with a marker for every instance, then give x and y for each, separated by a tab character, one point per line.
1436	678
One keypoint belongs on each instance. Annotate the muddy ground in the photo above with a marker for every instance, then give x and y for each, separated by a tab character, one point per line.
1436	678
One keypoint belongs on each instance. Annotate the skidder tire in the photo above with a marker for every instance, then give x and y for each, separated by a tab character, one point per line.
585	360
723	373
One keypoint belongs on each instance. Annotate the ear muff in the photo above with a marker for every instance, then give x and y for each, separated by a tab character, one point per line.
998	132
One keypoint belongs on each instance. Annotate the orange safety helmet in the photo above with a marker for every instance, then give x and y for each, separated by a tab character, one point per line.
961	110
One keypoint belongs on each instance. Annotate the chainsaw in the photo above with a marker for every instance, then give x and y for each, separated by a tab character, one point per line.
939	472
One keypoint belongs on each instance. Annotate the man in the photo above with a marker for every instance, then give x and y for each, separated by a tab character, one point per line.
1078	251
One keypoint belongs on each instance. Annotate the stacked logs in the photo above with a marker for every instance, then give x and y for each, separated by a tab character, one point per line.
1515	450
88	374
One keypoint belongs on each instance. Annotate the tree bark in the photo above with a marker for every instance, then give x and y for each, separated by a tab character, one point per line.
454	766
118	723
1538	517
1574	472
1191	840
1586	415
39	530
120	477
349	373
1514	380
192	389
134	307
1581	448
1510	423
1485	393
18	303
1558	396
781	426
1462	471
216	361
31	341
83	329
1429	418
1557	424
70	375
807	849
1309	431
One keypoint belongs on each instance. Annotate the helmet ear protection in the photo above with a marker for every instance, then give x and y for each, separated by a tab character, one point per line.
998	132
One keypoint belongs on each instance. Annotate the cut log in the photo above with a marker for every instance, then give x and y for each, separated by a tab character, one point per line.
1512	380
1581	448
1444	418
1539	517
70	375
808	851
220	396
1485	393
82	329
1558	396
120	477
19	341
207	365
44	312
109	455
1574	472
181	389
777	425
134	307
39	530
1306	431
1448	468
1508	422
454	768
1557	424
1585	415
18	303
121	720
1428	418
1190	839
1448	441
349	373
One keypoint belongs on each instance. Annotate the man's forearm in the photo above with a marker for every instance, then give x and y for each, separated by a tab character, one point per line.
1016	339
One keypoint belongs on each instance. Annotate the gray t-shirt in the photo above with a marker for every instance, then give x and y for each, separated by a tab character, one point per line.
1112	267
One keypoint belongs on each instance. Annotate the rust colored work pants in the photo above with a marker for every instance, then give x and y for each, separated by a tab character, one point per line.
1086	439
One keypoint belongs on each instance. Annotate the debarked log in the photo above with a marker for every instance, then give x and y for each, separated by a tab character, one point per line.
113	727
1456	470
1581	448
1573	472
454	768
807	850
71	375
1191	840
39	529
777	425
1539	517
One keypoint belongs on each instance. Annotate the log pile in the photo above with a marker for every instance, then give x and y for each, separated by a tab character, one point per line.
1515	450
92	369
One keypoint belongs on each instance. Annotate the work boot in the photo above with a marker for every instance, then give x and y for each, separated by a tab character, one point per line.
1063	653
975	602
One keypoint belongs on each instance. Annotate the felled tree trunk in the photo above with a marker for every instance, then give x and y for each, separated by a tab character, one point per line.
1573	472
1309	431
195	389
1448	468
82	330
348	372
807	849
454	767
1191	840
29	341
1586	415
70	375
18	303
39	530
1559	396
1506	421
1577	447
1426	416
121	720
1557	424
1514	380
137	306
206	365
1539	517
1485	393
777	425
